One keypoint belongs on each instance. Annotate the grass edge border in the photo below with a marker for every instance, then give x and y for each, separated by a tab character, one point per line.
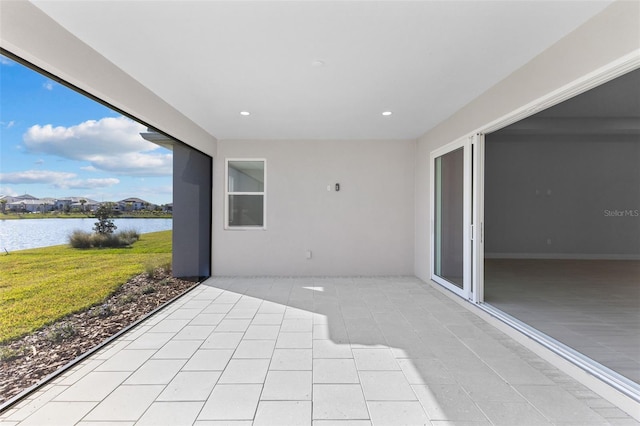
19	397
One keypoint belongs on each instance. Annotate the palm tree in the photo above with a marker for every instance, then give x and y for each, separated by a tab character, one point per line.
82	203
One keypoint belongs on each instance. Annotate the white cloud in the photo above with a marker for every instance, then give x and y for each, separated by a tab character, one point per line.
5	61
6	190
48	85
35	176
62	180
89	169
88	183
39	161
111	144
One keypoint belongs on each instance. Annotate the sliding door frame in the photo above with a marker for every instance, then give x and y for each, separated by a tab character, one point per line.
465	143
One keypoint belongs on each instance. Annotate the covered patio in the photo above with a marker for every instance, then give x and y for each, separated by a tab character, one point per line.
315	351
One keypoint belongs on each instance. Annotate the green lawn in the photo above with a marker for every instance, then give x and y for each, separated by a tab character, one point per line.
38	286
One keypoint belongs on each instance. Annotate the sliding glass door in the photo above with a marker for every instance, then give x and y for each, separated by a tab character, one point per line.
452	215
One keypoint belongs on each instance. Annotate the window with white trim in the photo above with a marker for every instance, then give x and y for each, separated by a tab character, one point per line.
245	194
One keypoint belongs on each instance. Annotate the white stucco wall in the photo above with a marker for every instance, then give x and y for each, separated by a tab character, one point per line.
605	39
364	229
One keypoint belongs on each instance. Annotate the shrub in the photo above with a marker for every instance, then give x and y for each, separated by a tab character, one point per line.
154	266
148	290
127	298
80	239
84	240
101	311
9	354
59	332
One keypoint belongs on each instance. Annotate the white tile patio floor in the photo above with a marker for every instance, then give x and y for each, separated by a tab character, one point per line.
314	351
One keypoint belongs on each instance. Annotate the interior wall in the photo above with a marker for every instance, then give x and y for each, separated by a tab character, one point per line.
366	228
572	196
33	36
606	38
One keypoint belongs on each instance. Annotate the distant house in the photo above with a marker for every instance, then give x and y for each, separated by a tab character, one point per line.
134	204
30	205
75	203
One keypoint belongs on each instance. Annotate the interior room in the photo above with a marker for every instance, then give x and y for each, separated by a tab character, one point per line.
562	200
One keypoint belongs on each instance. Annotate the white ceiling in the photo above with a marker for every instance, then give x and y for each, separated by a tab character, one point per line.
422	60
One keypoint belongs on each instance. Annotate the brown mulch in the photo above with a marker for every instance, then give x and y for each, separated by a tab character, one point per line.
26	361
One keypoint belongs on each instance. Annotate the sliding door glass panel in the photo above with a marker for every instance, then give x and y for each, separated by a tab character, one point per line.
449	217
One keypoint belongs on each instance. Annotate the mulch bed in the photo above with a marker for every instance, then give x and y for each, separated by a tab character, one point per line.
26	361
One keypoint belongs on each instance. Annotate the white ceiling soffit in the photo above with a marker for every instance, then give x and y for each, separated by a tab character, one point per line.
421	60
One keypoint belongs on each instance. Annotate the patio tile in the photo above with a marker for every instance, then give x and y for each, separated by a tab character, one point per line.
321	332
156	372
337	402
330	349
448	402
287	386
297	325
375	359
238	325
241	313
397	413
335	371
291	359
126	360
182	349
169	326
512	413
294	341
271	308
267	319
222	340
386	386
425	371
184	313
231	402
245	371
150	341
125	403
95	386
207	319
255	349
283	413
170	414
194	332
557	404
218	308
209	360
262	332
59	413
190	386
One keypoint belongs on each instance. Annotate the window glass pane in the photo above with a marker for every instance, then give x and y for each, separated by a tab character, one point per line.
449	217
246	210
246	176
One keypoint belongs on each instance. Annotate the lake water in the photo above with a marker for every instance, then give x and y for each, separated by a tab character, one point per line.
20	234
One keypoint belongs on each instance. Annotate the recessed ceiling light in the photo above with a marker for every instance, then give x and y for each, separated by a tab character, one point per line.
317	64
387	113
245	113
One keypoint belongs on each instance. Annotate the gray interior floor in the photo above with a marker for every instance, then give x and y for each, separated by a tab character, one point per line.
592	306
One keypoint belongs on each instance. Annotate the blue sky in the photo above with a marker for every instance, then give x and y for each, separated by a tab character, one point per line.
55	143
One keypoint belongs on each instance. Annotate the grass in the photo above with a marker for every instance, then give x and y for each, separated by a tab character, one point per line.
39	286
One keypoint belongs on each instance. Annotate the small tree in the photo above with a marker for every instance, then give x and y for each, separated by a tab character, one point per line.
104	225
3	204
82	203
